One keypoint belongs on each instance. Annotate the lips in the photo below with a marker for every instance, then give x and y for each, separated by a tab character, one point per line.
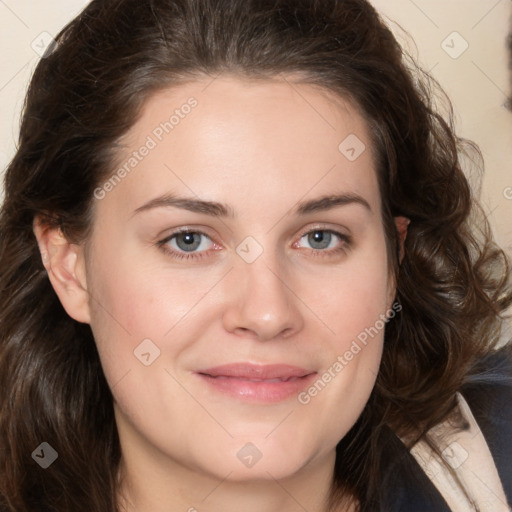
257	372
257	383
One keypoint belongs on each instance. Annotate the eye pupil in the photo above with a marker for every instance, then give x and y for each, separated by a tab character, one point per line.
188	241
319	239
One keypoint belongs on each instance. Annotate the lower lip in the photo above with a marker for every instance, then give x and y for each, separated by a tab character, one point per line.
263	391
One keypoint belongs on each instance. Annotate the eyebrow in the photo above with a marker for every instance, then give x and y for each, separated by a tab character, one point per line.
186	203
216	209
328	202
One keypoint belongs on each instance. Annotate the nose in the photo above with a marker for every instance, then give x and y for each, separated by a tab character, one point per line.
262	303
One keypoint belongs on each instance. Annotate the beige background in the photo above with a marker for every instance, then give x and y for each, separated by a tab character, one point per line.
477	80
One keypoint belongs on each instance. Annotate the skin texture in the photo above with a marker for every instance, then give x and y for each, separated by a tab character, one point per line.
261	148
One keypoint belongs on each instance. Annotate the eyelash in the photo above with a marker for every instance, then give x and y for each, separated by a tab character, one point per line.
183	255
345	241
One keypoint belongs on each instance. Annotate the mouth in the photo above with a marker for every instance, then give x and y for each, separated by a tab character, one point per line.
257	383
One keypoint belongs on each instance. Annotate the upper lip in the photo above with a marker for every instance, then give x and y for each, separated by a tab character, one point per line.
256	371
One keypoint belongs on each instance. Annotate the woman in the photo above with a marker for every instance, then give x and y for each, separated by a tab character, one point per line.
242	269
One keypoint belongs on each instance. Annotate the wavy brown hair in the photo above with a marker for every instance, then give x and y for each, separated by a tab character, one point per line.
88	91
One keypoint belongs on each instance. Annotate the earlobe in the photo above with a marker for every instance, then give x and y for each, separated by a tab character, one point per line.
65	265
402	223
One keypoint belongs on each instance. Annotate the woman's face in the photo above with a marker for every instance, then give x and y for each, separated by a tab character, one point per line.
238	278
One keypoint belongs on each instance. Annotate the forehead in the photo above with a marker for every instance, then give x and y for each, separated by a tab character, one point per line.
235	140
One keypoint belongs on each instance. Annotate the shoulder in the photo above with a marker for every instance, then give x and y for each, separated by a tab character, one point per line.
488	393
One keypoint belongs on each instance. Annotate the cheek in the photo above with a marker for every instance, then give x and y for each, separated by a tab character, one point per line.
133	302
353	306
361	321
350	298
133	289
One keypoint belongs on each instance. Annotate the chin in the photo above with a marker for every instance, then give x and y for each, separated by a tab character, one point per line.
261	460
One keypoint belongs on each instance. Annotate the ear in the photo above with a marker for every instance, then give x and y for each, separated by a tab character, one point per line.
65	265
401	224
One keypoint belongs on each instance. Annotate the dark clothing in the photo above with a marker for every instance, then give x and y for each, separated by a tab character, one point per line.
489	395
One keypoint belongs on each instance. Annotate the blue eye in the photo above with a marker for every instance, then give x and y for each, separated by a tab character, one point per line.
189	242
195	245
321	239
